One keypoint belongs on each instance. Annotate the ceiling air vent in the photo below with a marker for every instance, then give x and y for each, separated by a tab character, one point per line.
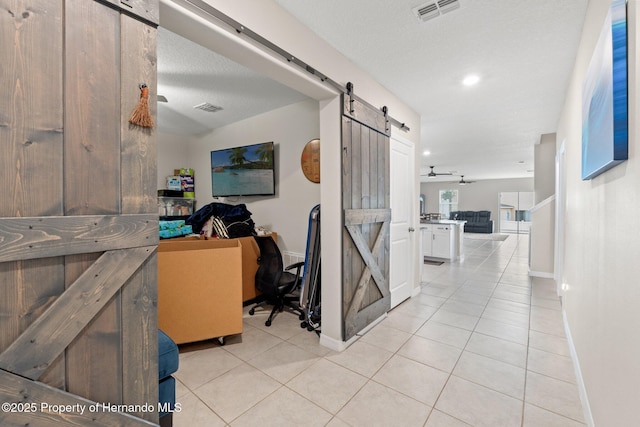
209	108
427	11
448	5
434	9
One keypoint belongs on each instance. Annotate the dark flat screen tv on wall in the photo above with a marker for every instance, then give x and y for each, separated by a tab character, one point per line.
243	171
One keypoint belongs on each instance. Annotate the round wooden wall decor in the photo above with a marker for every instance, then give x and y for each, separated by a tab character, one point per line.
310	160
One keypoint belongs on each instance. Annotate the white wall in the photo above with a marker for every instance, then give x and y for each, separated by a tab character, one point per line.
602	248
478	196
545	167
290	128
276	25
172	154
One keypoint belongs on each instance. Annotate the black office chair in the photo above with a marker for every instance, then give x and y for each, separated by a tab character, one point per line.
274	281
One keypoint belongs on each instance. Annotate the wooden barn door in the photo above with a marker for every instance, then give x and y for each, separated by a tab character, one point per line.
367	213
78	213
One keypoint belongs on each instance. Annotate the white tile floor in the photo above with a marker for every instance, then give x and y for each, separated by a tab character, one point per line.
481	345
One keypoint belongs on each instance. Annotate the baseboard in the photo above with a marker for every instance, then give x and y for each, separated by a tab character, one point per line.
541	274
338	345
334	344
416	291
582	391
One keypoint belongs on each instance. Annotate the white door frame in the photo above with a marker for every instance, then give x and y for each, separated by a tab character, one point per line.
408	231
560	218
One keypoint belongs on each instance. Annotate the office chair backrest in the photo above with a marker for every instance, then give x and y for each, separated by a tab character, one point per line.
270	266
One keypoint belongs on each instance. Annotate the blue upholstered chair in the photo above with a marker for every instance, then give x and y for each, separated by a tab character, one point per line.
167	365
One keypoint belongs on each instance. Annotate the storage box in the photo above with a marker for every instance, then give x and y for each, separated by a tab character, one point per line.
175	206
199	288
174	183
170	193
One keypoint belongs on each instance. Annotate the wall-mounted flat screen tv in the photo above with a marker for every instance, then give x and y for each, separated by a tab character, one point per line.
243	171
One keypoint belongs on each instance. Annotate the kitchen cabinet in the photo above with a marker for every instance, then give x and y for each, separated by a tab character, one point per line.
442	239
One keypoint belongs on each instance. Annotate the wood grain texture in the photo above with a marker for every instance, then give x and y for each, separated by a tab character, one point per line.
92	109
139	195
362	112
41	237
140	338
57	72
367	252
148	10
92	180
138	145
15	389
31	120
94	357
31	164
46	338
366	214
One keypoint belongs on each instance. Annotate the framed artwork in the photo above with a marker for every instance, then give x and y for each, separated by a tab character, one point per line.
605	132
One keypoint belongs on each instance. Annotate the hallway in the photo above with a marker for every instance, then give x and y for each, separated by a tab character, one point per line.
481	345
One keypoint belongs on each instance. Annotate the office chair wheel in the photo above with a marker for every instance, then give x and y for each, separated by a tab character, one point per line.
303	325
252	312
301	316
309	328
267	323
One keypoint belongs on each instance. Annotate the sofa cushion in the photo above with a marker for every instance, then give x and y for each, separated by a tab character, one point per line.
484	216
167	356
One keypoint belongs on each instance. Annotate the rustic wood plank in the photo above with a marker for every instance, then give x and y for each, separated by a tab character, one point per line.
357	266
148	10
367	315
363	113
366	216
54	330
367	254
140	338
138	145
139	195
94	357
92	180
92	109
41	237
347	247
15	389
363	283
367	170
31	164
31	119
27	291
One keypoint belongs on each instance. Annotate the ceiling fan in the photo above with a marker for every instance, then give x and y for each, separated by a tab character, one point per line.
463	182
432	174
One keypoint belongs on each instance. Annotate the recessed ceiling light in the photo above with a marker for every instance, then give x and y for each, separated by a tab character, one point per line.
426	152
470	80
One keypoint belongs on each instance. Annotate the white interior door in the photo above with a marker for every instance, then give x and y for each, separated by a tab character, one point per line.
560	218
402	221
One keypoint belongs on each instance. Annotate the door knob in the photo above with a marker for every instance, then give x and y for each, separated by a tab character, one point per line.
411	229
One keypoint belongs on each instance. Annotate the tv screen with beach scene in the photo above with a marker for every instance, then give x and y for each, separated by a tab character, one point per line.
243	171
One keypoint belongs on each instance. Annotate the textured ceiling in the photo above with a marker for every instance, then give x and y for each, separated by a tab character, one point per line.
522	50
189	75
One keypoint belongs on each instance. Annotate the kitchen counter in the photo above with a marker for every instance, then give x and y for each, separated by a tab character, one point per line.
442	239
